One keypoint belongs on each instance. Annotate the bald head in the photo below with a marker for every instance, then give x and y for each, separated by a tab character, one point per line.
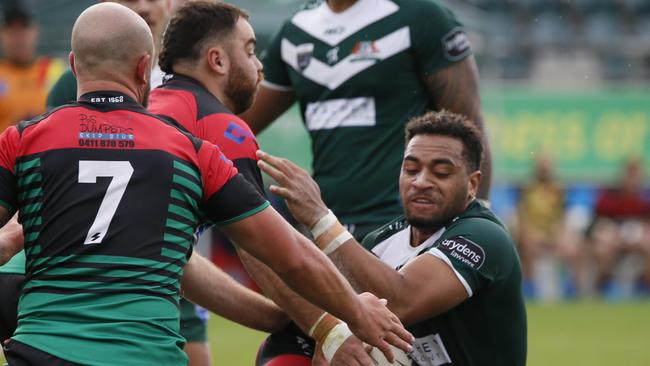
109	39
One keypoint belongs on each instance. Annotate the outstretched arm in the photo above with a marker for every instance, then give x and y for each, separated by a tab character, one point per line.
208	286
434	281
268	237
456	88
305	314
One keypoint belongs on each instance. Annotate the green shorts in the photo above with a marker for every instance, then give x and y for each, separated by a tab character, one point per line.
194	322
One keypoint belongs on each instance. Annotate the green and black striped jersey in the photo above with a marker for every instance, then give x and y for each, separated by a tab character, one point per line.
109	197
358	76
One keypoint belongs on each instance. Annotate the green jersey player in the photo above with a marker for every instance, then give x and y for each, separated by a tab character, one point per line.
359	70
448	269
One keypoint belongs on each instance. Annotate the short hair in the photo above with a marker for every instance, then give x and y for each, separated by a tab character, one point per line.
194	25
445	123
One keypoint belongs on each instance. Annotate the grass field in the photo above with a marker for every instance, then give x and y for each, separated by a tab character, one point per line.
567	334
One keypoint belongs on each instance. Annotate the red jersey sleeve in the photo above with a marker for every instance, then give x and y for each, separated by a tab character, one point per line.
236	140
9	141
229	197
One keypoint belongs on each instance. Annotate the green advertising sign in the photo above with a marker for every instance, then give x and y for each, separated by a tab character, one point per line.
588	134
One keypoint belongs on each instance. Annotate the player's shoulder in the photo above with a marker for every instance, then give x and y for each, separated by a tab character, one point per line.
420	7
53	113
378	236
479	226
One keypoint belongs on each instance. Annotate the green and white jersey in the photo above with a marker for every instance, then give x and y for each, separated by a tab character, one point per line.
489	328
358	76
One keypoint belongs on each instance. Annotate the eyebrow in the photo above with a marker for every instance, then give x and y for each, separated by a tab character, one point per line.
439	161
252	41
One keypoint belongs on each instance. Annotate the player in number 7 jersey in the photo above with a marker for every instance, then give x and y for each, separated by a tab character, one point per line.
103	279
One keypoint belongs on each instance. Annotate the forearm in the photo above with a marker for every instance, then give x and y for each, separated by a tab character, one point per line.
208	286
367	273
327	288
299	264
302	312
11	240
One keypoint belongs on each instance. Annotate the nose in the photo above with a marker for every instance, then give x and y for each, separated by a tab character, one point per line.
423	180
259	64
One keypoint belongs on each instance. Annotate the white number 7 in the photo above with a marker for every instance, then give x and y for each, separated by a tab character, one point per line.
121	172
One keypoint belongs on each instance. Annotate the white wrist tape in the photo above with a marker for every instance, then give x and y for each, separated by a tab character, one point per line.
334	340
337	242
313	327
323	224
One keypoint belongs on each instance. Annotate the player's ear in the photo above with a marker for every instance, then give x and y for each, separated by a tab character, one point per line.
143	69
473	182
71	62
218	60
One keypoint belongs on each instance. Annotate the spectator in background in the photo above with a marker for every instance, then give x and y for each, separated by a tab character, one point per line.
622	225
541	228
25	78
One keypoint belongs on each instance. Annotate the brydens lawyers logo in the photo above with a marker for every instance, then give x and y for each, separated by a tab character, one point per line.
463	250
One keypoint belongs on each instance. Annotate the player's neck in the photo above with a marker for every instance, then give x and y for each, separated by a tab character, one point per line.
105	85
339	6
420	235
208	81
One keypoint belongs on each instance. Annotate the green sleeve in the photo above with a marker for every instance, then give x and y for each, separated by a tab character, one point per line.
63	92
275	69
437	36
480	252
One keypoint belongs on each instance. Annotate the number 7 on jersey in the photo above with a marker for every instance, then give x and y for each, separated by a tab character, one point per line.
121	172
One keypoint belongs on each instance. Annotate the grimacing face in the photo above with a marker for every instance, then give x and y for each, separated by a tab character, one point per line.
435	185
245	73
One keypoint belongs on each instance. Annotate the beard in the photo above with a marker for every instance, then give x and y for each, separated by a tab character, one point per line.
241	89
441	218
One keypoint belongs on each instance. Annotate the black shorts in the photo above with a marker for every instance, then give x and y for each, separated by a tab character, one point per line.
20	354
10	287
288	347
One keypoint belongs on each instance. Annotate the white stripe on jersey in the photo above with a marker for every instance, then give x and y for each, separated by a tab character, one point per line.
332	28
333	76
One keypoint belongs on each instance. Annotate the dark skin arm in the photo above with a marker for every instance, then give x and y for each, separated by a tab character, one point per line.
268	106
456	88
365	271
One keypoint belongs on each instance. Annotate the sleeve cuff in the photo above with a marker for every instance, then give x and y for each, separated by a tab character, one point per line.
438	254
245	214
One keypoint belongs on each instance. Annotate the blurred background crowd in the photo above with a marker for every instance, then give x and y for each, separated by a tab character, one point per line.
566	98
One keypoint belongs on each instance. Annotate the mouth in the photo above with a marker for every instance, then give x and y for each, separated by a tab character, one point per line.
423	202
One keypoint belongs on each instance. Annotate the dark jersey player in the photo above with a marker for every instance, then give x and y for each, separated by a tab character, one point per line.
109	217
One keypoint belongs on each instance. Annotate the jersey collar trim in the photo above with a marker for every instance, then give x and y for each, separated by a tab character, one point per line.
110	99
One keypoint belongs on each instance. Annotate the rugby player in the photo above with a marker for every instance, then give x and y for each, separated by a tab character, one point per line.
448	267
102	289
359	70
209	52
156	13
